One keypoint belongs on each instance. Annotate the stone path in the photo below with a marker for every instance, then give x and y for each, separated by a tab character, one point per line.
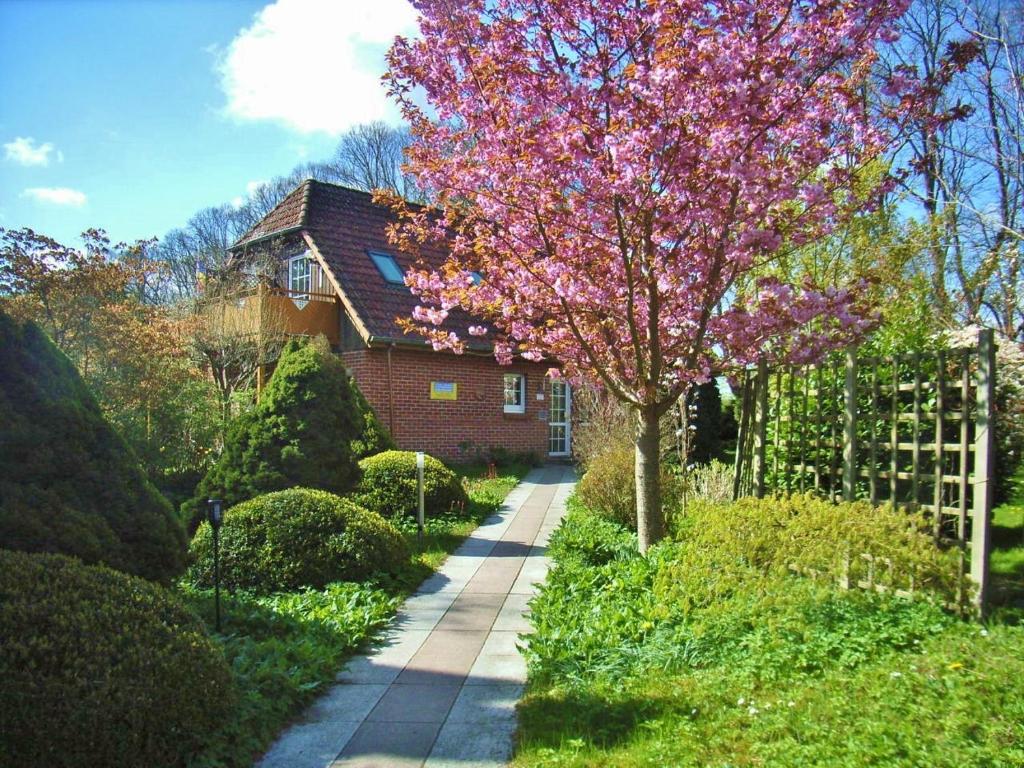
442	687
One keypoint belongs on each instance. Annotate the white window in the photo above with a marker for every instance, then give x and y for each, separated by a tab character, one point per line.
300	274
515	393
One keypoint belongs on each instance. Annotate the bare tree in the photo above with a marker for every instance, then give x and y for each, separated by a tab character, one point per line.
370	156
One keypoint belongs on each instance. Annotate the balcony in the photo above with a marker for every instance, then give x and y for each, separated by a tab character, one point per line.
269	311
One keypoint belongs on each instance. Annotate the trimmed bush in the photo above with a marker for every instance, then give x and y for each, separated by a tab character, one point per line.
68	483
297	538
373	437
101	668
609	486
389	486
299	434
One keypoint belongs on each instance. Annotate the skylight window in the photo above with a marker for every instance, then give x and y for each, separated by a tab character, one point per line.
476	277
388	267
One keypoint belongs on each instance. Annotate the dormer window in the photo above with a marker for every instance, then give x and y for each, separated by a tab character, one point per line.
388	267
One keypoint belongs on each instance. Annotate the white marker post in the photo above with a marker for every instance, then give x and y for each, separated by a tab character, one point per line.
419	483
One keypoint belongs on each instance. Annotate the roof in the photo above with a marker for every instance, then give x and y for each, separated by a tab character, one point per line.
344	225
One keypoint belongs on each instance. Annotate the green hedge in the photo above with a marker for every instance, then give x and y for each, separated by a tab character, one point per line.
297	538
389	486
101	668
68	482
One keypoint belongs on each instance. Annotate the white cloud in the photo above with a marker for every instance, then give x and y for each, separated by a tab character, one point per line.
314	66
24	151
56	196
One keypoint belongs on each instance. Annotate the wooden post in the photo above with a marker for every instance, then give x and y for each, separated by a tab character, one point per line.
981	530
741	438
915	475
873	451
940	402
850	427
760	426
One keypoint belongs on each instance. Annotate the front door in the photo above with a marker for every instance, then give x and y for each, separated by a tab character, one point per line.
559	419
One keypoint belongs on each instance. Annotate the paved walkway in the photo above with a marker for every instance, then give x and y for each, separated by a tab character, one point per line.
441	689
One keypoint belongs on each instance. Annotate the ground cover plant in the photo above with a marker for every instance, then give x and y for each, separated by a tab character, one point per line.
709	651
285	648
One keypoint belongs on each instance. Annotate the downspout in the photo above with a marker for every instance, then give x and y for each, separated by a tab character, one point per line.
391	395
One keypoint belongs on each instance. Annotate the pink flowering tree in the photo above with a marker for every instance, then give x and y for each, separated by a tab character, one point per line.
620	173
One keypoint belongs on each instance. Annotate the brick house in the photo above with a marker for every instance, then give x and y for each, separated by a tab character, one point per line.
337	274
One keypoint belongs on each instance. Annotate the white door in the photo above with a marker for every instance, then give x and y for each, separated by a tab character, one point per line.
559	419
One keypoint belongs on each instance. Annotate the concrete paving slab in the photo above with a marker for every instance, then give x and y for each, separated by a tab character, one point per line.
445	657
382	745
415	703
512	616
468	745
490	669
308	745
486	704
472	611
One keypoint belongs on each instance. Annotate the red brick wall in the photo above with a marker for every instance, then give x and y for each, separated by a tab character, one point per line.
439	426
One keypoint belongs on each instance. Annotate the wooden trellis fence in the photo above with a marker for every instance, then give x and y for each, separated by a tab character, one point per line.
915	431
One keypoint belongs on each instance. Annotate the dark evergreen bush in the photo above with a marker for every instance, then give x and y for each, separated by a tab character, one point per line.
297	538
389	486
101	668
299	434
373	437
68	482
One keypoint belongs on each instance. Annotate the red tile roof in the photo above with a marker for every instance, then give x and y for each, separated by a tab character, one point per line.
345	225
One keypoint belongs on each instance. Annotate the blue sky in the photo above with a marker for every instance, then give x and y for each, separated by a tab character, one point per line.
131	116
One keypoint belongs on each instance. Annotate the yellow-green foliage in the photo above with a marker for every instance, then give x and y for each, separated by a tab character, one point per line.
297	538
389	486
101	668
609	486
751	539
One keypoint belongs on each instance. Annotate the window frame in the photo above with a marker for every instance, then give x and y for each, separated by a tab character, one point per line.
388	258
294	292
514	408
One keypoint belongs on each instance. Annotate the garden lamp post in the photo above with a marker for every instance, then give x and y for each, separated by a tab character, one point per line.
216	516
419	483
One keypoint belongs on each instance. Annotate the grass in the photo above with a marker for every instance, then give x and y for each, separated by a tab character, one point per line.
284	649
632	665
1008	549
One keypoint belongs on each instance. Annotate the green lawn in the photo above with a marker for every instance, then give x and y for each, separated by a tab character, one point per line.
779	671
284	649
1008	550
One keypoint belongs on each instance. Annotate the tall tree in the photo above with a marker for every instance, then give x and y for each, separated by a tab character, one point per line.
613	170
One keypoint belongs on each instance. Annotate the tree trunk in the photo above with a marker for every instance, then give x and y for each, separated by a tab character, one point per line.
650	521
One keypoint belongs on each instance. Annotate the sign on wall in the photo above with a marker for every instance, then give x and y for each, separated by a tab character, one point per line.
444	390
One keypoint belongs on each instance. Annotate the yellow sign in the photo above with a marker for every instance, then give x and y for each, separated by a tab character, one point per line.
444	390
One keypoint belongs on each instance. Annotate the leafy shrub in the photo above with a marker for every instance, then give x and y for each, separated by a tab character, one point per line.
297	538
389	485
727	544
590	539
609	486
101	668
373	437
299	434
711	482
68	482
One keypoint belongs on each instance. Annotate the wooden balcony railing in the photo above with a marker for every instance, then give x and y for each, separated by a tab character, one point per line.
268	310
